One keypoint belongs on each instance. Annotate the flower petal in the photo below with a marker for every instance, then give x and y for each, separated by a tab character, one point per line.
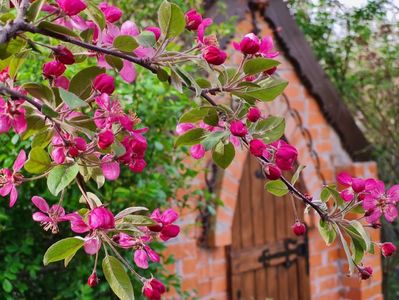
344	179
111	170
40	217
19	161
391	213
128	72
40	203
92	245
140	258
13	196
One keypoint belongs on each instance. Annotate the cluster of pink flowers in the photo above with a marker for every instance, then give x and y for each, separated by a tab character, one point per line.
375	200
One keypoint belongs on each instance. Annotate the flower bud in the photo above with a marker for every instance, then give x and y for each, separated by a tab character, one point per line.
257	147
270	71
92	281
111	13
272	172
138	165
365	272
250	44
153	289
193	19
105	139
155	30
73	152
63	55
286	156
358	185
62	82
214	56
298	228
238	128
53	69
101	218
104	83
254	114
197	151
387	249
71	7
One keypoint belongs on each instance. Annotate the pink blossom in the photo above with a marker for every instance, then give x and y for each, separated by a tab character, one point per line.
106	139
272	172
110	168
111	13
353	185
254	114
12	114
201	30
388	249
182	128
142	255
110	112
197	151
250	44
92	244
155	30
101	218
49	217
165	227
377	202
67	145
104	83
257	147
10	180
4	74
53	69
285	155
71	7
266	47
63	55
62	82
193	19
153	289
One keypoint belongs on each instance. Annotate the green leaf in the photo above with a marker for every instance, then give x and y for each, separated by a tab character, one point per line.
12	47
40	91
267	93
357	250
57	29
34	10
125	43
203	83
194	115
60	177
146	38
7	286
276	187
114	62
49	112
213	138
117	278
325	194
35	124
38	161
192	137
81	83
139	220
270	129
71	99
42	139
129	211
171	19
95	14
212	117
223	154
346	249
16	63
296	175
259	64
327	232
363	233
62	249
162	75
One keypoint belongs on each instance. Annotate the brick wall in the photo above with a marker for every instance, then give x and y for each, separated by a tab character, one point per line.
203	270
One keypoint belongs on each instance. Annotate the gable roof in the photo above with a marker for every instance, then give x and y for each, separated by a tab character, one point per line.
295	47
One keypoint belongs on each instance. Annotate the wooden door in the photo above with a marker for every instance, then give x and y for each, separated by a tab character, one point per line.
267	261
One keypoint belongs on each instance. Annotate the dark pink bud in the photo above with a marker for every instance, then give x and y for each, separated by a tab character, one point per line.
257	147
53	69
254	114
271	71
286	156
63	55
155	30
73	152
101	218
169	231
137	165
105	139
214	56
250	44
71	7
62	82
365	272
193	19
358	185
238	128
111	13
388	249
153	289
80	143
298	228
92	281
104	83
272	172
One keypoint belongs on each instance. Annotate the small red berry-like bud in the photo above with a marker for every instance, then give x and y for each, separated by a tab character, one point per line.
238	128
365	272
214	56
73	152
153	289
105	139
388	249
63	55
298	228
193	19
270	71
104	83
250	44
92	281
257	147
53	69
272	172
254	114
